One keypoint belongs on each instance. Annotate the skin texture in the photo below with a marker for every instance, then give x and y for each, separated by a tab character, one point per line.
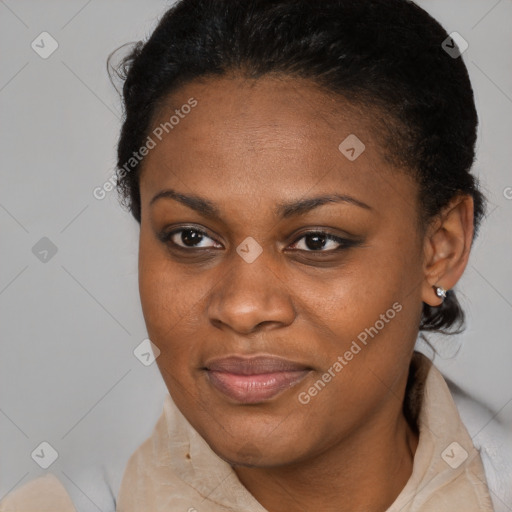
248	146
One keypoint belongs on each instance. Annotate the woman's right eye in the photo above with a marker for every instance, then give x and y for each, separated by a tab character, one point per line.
189	238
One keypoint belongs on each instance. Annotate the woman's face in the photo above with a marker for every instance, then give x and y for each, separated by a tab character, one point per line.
281	278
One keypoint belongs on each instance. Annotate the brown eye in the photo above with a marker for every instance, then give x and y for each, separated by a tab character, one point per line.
189	238
320	241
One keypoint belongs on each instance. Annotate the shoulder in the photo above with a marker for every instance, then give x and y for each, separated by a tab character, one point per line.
43	494
150	470
494	442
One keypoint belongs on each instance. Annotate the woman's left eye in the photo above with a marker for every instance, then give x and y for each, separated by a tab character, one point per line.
319	241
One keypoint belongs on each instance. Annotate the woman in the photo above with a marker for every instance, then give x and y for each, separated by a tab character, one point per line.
301	175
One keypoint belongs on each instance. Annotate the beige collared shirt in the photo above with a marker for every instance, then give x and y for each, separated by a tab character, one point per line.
175	470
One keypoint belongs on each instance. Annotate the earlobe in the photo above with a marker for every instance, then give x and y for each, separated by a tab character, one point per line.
446	249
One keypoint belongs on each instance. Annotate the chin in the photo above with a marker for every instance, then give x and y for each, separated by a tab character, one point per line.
255	451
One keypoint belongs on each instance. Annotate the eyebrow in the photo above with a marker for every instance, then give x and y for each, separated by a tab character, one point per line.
283	210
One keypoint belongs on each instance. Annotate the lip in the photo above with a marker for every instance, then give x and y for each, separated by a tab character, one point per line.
251	380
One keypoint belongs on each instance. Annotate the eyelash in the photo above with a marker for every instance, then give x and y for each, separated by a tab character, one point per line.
344	243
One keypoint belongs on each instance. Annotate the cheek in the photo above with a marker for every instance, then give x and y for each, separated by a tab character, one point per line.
167	295
353	297
369	316
167	304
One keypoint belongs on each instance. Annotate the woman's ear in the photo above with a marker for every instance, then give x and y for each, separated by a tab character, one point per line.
446	247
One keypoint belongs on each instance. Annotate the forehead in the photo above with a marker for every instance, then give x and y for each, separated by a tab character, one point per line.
262	114
273	137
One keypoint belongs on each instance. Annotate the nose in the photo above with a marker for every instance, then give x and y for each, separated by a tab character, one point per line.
251	297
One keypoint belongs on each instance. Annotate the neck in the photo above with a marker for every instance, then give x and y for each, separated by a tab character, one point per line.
364	472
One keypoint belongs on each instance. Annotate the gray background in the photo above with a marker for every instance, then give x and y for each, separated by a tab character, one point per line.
69	325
